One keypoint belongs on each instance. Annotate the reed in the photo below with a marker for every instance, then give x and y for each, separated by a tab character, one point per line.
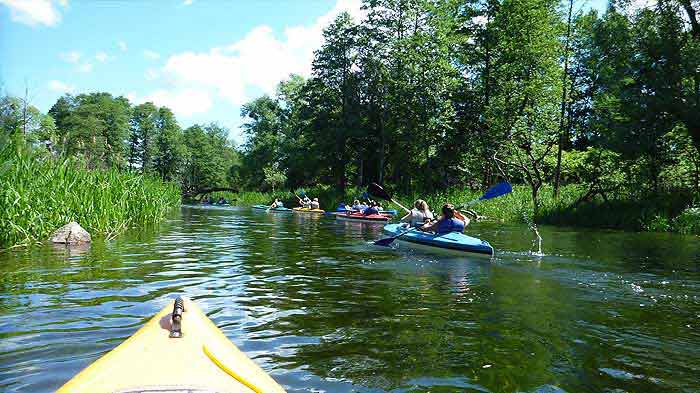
39	194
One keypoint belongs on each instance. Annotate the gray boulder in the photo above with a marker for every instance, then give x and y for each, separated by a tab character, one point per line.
71	233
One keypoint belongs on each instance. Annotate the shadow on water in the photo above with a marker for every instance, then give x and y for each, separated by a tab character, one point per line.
321	309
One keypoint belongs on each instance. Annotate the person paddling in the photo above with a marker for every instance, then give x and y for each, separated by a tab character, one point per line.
371	209
276	204
451	221
315	205
419	214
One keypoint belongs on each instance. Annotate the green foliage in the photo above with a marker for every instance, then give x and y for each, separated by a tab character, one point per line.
40	194
688	222
274	177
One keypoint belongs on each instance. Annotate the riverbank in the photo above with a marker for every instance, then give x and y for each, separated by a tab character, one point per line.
663	213
39	194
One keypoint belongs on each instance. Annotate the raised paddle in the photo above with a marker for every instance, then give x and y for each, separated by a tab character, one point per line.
377	190
499	189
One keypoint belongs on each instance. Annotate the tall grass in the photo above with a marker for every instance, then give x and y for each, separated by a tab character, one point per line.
39	194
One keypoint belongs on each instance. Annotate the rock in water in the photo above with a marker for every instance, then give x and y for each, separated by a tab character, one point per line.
71	233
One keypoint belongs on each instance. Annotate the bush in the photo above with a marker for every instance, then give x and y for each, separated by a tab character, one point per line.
688	222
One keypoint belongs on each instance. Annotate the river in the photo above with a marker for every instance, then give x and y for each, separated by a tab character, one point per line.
323	310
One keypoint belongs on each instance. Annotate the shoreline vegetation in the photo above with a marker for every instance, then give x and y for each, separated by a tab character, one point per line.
593	117
665	214
40	194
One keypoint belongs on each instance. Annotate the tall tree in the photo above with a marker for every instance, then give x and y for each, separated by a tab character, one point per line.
143	137
170	146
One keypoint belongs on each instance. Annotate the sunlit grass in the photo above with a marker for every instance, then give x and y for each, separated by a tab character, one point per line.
40	194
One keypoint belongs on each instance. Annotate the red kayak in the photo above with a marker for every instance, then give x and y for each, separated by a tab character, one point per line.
359	217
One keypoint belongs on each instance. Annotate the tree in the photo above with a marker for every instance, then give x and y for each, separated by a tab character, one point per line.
143	137
170	146
274	177
524	104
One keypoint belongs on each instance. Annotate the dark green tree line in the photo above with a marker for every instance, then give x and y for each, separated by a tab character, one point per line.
424	95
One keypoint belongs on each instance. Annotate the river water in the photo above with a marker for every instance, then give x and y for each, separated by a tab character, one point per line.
323	310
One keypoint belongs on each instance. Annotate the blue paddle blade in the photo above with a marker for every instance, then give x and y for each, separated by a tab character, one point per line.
365	195
385	242
302	193
499	189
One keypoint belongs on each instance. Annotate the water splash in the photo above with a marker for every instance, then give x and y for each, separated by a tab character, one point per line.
538	240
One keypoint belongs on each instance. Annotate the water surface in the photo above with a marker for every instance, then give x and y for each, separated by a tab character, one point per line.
322	310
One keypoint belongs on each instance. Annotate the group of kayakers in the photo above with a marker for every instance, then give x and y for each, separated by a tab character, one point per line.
366	208
420	216
208	201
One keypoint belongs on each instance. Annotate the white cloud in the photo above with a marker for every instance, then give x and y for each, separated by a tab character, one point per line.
185	102
187	2
61	87
257	62
122	46
131	96
85	67
149	54
101	57
152	74
71	57
34	12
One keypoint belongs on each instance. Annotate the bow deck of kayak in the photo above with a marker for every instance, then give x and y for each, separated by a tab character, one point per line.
201	359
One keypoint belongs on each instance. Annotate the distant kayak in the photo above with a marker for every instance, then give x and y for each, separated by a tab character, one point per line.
453	242
160	357
305	210
359	217
276	209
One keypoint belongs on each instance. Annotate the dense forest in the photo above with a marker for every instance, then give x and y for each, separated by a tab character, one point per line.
432	96
427	95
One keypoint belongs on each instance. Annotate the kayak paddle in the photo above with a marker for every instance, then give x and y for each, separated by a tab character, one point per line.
377	190
499	189
388	240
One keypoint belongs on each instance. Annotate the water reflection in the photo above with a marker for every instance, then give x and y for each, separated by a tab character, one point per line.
322	309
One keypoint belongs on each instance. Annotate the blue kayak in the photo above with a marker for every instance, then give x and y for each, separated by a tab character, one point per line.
454	242
276	209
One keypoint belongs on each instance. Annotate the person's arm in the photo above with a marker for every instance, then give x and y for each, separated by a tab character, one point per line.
428	227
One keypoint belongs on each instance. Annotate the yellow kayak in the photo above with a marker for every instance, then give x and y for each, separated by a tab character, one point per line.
308	211
178	350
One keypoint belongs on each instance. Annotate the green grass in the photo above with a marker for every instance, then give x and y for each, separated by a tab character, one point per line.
39	194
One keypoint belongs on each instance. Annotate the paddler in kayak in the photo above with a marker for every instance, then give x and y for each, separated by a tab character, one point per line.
276	204
451	221
356	205
315	205
305	203
419	215
372	209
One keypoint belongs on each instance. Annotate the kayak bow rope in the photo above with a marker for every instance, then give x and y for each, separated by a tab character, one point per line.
499	189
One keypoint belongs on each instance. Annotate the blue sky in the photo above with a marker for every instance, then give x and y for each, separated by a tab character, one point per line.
203	59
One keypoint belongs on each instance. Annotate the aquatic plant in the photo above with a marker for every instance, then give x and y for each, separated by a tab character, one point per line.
39	193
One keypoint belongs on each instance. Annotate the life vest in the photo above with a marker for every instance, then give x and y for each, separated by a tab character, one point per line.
370	210
450	225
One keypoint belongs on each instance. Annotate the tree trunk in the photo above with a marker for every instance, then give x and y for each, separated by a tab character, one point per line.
535	201
557	171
